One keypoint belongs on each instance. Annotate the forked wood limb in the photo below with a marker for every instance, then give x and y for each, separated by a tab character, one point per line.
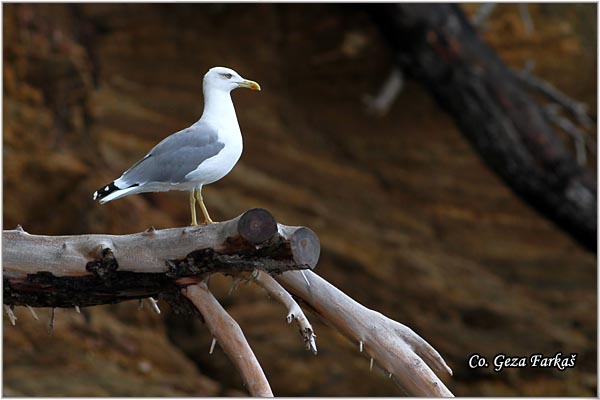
410	360
46	271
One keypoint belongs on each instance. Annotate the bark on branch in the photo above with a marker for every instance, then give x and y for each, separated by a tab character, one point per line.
86	270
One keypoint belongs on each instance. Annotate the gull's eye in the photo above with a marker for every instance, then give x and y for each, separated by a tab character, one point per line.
226	76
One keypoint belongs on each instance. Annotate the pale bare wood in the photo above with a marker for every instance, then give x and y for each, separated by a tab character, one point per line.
295	313
147	251
231	339
409	359
11	315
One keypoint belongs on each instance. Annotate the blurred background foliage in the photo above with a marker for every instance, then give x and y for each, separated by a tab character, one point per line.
412	222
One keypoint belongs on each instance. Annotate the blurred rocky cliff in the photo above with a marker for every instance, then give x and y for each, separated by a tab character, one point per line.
412	223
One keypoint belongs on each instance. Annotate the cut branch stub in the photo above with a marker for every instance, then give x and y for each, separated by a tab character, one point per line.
304	244
86	270
257	225
306	247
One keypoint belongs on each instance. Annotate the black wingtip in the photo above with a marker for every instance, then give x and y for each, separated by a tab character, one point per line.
105	191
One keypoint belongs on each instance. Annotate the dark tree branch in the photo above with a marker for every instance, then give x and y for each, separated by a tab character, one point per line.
437	45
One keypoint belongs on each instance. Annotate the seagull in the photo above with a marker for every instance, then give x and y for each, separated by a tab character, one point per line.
193	157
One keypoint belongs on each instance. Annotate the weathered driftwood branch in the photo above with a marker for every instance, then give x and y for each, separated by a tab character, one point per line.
231	339
68	271
409	359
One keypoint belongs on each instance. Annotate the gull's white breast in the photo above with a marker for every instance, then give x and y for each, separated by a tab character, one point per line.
228	129
217	167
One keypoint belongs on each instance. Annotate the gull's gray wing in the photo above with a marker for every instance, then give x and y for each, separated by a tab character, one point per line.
176	156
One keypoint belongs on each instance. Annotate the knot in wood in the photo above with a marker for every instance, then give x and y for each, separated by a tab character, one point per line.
105	266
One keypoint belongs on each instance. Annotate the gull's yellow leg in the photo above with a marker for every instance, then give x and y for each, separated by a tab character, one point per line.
207	219
193	208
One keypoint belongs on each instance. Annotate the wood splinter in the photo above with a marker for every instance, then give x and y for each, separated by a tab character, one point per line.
32	311
11	315
305	278
234	285
51	324
154	304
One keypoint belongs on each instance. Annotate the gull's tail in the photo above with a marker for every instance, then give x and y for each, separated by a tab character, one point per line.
112	192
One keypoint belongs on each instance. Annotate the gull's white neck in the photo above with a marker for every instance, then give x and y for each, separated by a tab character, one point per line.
219	110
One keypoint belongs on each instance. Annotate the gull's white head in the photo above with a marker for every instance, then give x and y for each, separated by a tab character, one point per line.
226	79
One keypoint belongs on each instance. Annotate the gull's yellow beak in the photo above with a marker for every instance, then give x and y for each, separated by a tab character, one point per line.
249	85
